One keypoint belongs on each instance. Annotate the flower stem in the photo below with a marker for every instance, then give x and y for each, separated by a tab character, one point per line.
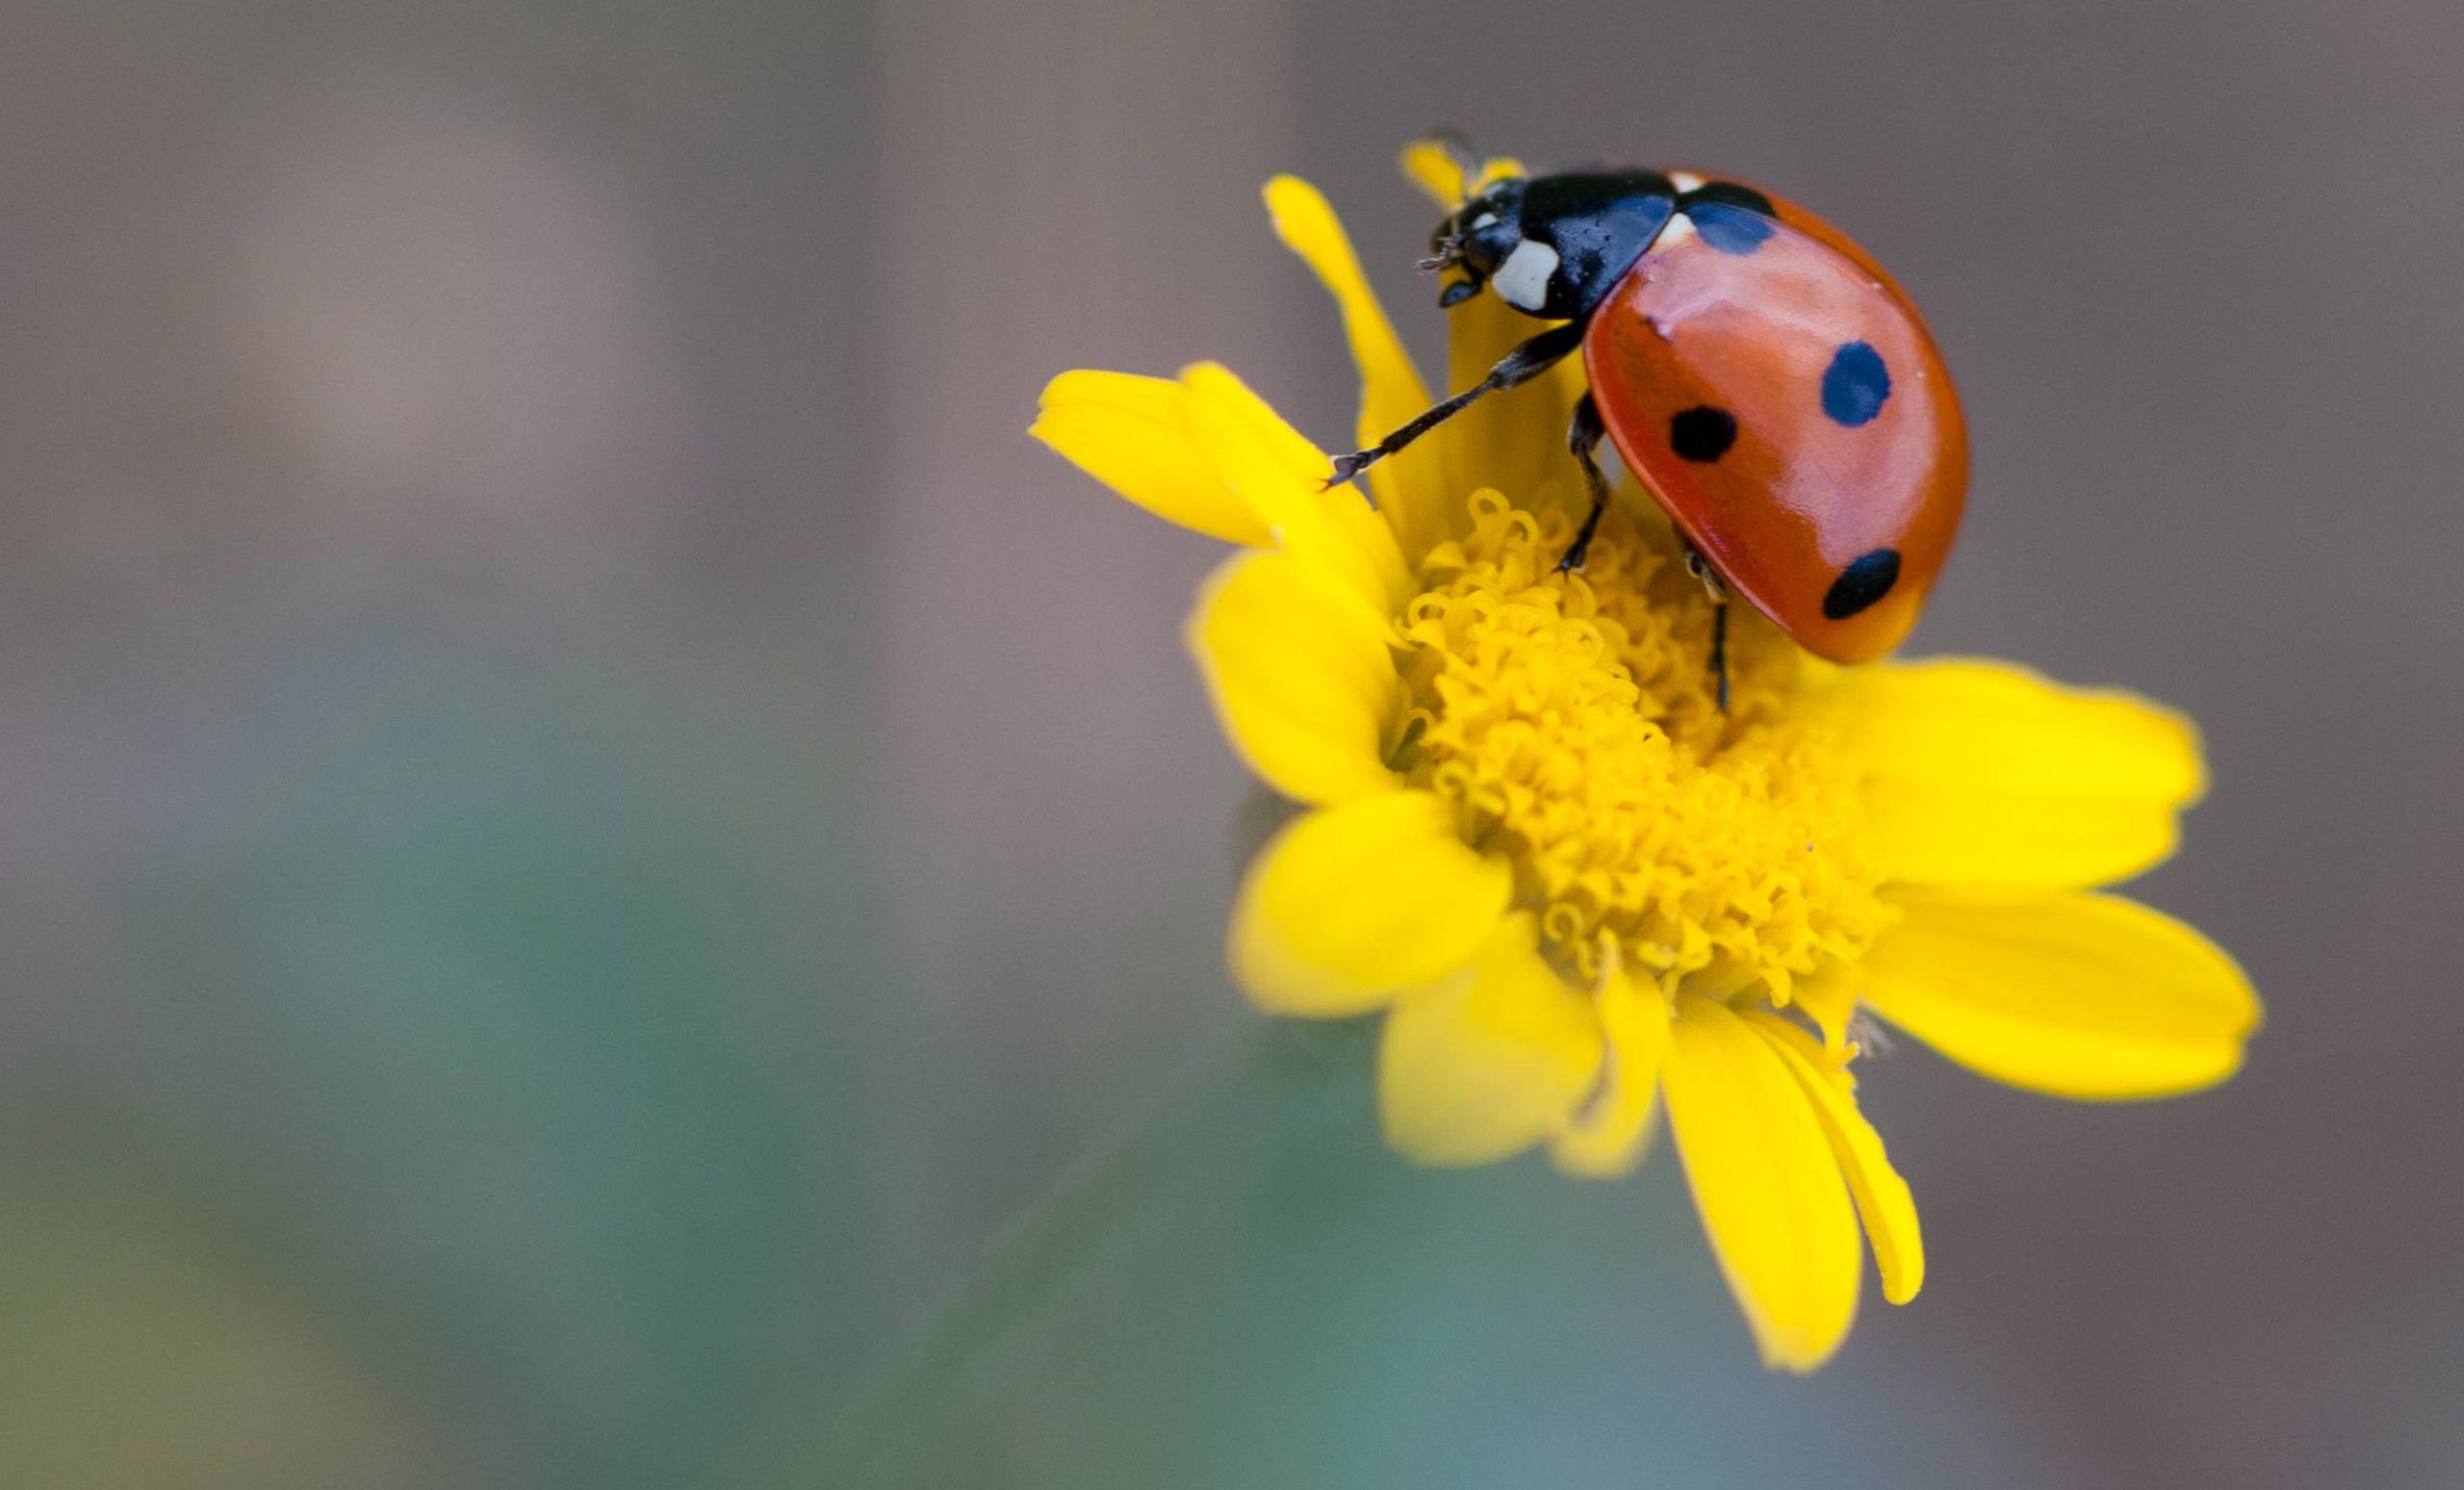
1123	1184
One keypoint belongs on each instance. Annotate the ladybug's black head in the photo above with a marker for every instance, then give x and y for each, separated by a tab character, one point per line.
1476	237
1551	246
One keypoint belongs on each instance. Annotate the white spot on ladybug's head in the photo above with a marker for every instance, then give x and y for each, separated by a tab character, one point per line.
1686	181
1679	229
1522	281
1484	220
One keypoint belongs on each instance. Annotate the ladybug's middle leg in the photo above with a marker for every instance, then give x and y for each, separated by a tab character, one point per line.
1718	590
1583	438
1520	366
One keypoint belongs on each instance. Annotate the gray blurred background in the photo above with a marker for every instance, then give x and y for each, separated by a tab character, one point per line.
581	816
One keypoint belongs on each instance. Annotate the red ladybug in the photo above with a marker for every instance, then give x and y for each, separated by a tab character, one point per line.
1761	375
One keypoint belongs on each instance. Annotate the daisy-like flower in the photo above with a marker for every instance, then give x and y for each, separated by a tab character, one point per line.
1575	886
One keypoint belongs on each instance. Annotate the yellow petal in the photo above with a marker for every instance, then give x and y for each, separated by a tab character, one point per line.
1981	773
1883	1202
1302	675
1283	478
2076	995
1391	386
1486	1063
1766	1184
1128	433
1407	486
1436	167
1610	1134
1828	995
1350	903
1436	170
1494	170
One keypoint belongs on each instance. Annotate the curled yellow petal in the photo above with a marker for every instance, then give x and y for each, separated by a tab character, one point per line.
1486	1063
1983	773
1350	903
1302	675
1129	433
2076	995
1883	1202
1765	1182
1608	1134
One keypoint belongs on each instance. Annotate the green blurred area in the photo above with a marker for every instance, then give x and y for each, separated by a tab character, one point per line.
139	1354
488	1106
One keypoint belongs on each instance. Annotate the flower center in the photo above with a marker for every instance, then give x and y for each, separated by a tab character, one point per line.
1571	720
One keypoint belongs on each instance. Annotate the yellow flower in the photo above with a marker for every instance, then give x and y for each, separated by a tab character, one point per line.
1575	886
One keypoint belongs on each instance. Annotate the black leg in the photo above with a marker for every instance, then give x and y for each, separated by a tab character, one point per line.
1519	366
1582	439
1720	648
1701	569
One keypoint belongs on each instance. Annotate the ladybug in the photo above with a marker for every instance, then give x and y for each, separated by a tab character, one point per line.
1762	377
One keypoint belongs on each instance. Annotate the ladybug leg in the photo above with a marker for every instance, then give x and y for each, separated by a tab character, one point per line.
1517	366
1582	439
1713	585
1720	648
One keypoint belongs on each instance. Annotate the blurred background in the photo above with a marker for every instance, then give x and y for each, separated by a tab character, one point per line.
581	816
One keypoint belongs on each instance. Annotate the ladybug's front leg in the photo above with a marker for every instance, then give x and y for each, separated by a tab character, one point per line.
1518	367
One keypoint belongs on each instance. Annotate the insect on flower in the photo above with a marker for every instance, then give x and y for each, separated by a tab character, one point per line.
1582	884
1758	372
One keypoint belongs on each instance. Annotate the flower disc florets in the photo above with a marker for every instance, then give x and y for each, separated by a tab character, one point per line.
1571	721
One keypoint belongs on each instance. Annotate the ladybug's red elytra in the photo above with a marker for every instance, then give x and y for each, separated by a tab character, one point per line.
1761	376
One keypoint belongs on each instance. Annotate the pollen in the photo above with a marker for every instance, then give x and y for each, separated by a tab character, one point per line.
1571	719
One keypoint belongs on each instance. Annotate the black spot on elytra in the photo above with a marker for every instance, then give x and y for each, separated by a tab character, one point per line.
1855	384
1729	229
1733	219
1867	578
1702	434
